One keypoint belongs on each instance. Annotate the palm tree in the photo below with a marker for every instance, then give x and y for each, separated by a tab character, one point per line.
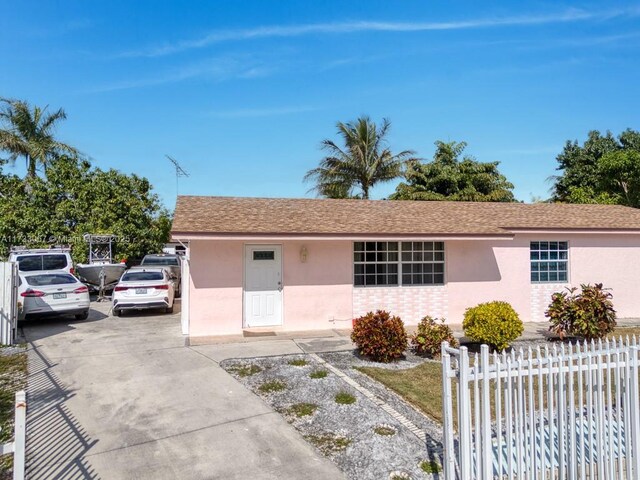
351	171
29	132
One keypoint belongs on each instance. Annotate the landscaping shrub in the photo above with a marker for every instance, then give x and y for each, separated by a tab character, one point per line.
494	323
272	386
344	398
329	443
299	362
430	466
430	335
379	336
302	409
384	430
588	314
245	370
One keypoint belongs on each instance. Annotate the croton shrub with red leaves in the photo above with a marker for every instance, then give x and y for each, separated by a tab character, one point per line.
379	336
430	334
588	314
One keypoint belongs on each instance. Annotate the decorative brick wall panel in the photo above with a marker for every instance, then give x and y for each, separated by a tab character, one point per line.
409	303
541	298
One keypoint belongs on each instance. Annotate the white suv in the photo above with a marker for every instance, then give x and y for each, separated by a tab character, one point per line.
40	259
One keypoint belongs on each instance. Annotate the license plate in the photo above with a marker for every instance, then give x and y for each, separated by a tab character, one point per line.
141	291
59	295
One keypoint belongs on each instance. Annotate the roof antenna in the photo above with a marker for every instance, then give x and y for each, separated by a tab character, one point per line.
180	172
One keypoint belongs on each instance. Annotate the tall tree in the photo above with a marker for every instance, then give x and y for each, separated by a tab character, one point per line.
447	177
29	132
604	169
75	199
364	161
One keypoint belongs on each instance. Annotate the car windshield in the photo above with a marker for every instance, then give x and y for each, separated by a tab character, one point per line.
31	263
160	261
141	276
50	279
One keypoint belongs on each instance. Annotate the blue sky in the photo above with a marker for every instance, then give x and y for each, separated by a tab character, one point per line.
242	93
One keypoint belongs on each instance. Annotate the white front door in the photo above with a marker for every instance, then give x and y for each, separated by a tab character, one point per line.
263	285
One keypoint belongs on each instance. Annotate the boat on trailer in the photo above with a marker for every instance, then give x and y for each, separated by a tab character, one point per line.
101	273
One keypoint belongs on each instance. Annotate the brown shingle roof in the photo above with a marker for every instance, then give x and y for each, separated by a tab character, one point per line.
278	216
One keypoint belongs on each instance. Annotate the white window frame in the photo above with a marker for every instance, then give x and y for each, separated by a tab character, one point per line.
360	258
548	252
376	253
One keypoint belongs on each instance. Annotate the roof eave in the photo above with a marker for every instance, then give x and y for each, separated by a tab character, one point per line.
177	235
583	231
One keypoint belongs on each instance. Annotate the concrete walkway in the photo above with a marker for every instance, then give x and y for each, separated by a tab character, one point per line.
124	398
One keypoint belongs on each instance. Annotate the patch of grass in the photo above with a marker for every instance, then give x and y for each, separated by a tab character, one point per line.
318	374
245	370
345	398
13	377
624	331
299	362
430	466
420	385
272	386
384	430
328	443
399	476
302	409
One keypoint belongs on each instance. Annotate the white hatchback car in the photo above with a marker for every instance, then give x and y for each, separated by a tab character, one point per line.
53	292
140	288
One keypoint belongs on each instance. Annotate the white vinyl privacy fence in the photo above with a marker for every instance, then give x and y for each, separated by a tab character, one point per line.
8	302
569	412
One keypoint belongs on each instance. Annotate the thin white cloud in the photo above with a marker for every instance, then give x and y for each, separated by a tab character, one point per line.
262	112
217	69
571	15
600	40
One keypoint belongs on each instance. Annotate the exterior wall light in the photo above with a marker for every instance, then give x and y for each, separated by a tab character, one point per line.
304	254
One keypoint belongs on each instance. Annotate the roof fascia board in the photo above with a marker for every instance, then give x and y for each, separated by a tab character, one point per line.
177	236
580	231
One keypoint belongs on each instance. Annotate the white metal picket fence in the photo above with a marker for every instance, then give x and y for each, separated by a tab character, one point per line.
565	413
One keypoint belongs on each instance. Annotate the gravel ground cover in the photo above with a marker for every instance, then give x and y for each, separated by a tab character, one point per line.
346	360
362	439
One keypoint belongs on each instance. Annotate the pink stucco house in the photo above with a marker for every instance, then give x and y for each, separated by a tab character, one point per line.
306	264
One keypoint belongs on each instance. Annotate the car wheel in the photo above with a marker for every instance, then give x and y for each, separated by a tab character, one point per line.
83	315
169	309
178	293
117	313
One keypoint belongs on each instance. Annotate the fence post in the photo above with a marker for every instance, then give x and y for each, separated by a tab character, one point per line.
487	450
449	463
19	452
464	416
635	416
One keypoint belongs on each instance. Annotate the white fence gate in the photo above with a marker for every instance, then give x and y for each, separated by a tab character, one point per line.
8	302
567	413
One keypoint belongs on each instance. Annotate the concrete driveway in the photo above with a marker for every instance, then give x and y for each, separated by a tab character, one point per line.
124	398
